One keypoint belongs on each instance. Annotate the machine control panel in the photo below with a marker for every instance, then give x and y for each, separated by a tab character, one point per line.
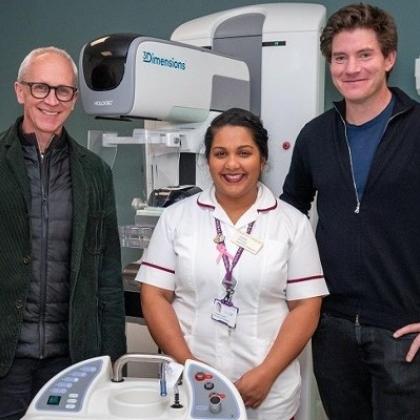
67	391
95	390
212	397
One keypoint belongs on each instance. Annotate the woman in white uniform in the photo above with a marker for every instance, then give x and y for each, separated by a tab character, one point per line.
232	275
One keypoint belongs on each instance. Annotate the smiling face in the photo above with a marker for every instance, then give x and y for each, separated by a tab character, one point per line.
235	165
358	66
45	117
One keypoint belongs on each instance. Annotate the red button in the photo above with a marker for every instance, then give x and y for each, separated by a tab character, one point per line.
208	376
200	376
286	145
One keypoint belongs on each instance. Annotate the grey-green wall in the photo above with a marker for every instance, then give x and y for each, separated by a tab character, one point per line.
69	24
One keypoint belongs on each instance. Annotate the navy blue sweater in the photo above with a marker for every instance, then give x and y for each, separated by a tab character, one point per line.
370	249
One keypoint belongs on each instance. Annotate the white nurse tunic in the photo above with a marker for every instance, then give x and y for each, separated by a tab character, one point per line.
182	257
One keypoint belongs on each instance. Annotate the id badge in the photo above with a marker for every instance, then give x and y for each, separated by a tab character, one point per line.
226	314
246	241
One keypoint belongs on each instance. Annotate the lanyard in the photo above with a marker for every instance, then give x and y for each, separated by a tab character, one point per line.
229	283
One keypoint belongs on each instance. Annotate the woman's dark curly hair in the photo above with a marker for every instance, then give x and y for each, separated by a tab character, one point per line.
241	118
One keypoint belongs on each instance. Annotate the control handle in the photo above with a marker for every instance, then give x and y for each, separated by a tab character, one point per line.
215	404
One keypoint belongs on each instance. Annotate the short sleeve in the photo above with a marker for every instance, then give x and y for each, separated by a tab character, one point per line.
305	277
157	265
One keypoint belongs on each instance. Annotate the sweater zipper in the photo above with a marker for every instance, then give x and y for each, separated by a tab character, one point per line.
44	176
357	209
390	119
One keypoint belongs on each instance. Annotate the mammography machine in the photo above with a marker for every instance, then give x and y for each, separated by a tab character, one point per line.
133	76
93	390
264	58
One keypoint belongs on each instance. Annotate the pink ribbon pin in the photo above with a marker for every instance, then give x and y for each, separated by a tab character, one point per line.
222	251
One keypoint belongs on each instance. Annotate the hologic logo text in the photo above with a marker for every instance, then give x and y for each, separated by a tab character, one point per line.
149	57
103	103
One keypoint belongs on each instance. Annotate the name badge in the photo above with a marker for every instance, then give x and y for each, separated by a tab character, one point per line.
224	313
246	241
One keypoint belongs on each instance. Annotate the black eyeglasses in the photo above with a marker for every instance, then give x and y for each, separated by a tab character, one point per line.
41	90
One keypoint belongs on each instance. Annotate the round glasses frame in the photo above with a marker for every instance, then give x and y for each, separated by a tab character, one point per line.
40	90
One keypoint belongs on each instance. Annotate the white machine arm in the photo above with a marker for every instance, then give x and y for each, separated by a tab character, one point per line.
135	76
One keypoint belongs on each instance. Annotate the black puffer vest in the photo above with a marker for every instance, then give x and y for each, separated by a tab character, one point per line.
45	321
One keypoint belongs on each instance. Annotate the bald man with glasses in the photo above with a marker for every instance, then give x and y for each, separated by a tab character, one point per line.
60	269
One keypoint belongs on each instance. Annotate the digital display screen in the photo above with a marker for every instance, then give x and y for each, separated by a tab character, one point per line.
53	400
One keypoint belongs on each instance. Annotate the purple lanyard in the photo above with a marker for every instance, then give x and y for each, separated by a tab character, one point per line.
228	282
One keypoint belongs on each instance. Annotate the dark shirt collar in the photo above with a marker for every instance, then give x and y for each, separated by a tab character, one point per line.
29	139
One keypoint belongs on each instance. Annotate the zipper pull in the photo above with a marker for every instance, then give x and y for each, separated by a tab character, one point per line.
357	210
356	321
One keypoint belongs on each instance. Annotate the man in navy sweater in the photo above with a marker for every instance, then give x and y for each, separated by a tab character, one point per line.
362	159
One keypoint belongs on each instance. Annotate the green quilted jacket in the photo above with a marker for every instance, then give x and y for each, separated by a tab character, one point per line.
96	307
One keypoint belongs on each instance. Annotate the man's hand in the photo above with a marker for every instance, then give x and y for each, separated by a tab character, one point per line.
415	345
